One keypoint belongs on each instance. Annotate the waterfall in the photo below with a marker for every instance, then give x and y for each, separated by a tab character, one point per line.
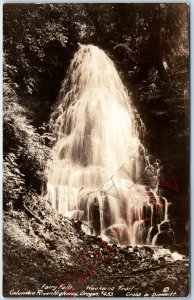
100	165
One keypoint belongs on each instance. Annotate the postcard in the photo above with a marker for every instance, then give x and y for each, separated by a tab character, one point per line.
96	150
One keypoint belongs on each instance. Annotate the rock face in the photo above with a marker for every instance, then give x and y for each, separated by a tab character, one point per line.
170	143
90	203
94	214
165	236
165	225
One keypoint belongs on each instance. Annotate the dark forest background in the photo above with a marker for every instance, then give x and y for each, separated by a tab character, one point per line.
149	44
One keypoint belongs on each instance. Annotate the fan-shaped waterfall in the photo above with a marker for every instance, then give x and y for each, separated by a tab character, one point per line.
100	165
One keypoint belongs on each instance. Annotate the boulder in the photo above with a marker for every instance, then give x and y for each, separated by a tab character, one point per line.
165	226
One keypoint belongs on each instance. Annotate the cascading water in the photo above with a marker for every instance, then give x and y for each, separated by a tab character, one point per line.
99	169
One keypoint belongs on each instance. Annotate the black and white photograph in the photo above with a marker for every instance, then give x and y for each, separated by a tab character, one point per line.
96	150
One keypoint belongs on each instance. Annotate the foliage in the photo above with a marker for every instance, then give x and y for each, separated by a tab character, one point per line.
13	181
25	151
40	40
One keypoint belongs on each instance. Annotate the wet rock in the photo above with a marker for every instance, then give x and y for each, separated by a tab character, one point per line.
94	239
122	251
154	231
129	247
167	257
136	249
148	249
94	213
165	226
165	238
144	252
77	225
77	214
